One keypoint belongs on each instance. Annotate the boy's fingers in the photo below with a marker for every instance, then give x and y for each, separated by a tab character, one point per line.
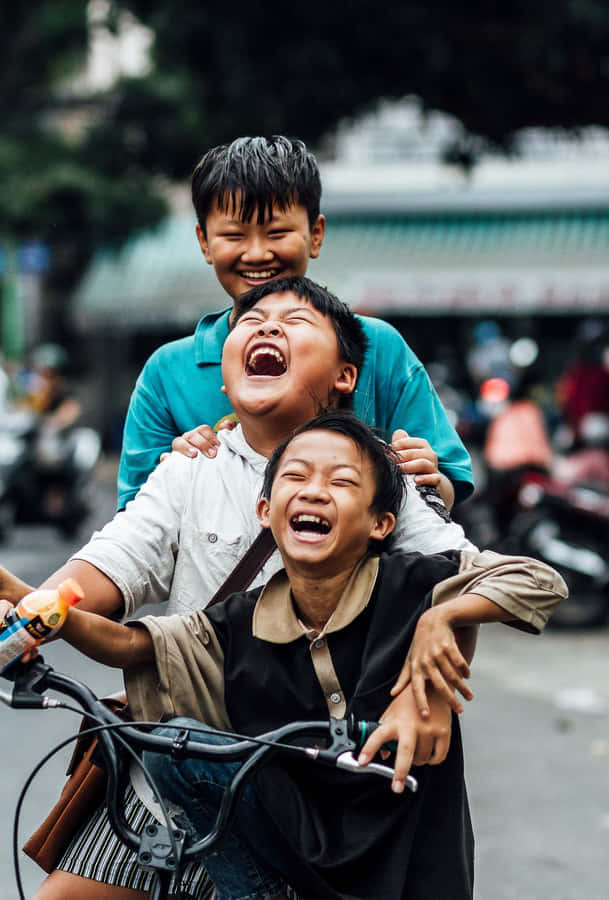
404	679
433	478
385	733
440	749
445	691
184	446
424	749
403	762
420	695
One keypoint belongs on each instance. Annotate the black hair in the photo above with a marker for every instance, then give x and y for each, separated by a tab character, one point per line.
390	486
252	173
349	331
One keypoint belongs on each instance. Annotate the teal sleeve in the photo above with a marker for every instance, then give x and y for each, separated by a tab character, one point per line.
148	432
394	391
419	411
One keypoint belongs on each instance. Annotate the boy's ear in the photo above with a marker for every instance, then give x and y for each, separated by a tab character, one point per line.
346	379
263	509
203	244
317	236
385	524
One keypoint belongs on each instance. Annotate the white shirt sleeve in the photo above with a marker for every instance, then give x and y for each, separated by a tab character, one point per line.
137	549
420	527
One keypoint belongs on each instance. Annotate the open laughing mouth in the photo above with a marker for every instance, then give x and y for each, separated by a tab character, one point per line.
262	275
310	527
266	360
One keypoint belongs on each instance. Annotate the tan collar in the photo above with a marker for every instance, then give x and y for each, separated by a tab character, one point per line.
275	618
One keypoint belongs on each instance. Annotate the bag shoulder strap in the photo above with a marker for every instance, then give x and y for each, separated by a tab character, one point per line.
248	566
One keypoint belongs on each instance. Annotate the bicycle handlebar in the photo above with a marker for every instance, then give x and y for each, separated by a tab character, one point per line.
344	737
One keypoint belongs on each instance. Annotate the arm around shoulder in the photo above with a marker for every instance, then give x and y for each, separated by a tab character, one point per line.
526	590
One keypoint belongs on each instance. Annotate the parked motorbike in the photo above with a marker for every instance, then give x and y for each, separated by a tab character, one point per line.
18	430
45	472
567	526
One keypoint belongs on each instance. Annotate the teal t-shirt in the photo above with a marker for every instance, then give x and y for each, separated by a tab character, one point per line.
179	388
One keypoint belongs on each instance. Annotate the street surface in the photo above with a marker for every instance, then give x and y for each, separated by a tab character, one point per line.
536	745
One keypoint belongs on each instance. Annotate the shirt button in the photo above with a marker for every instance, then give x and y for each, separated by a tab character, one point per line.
335	698
212	538
319	643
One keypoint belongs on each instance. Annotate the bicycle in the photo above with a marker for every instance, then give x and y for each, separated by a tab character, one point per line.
166	849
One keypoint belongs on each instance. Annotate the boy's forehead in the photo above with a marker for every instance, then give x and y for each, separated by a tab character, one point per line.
325	447
235	205
287	300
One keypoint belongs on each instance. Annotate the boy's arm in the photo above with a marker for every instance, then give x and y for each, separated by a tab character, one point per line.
406	399
489	587
442	648
148	432
105	641
101	594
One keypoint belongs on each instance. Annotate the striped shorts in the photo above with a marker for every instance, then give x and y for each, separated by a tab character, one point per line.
96	853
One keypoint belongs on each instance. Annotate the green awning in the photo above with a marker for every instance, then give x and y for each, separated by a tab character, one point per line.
423	264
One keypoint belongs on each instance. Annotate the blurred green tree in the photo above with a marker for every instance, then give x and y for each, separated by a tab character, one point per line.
54	189
259	68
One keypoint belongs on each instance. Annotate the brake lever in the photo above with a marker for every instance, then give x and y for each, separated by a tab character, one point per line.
348	761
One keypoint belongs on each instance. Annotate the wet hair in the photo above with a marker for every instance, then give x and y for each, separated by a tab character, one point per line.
251	174
347	327
390	486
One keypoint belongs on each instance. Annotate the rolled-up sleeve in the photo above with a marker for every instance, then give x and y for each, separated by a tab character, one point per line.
186	677
137	549
524	587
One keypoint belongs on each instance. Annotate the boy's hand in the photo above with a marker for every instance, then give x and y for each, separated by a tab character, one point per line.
201	439
418	458
435	658
420	741
5	608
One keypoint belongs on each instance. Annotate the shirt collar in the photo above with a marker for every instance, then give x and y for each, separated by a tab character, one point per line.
275	619
235	441
210	334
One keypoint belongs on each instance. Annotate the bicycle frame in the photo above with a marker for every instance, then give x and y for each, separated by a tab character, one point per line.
166	849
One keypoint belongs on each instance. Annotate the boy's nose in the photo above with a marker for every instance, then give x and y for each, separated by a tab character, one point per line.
266	328
314	491
257	250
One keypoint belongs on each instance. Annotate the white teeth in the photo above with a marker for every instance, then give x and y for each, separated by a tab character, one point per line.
255	275
305	517
265	351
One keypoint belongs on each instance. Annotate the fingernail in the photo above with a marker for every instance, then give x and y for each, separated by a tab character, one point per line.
211	452
397	786
362	759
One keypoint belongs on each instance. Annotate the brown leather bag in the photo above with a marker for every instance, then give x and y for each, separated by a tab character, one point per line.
82	792
86	784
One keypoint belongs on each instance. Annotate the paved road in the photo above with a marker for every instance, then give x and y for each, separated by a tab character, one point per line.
536	738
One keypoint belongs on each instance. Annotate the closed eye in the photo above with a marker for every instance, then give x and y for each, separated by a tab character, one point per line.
250	319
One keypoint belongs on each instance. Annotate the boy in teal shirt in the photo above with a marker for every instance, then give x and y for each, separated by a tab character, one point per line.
258	208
